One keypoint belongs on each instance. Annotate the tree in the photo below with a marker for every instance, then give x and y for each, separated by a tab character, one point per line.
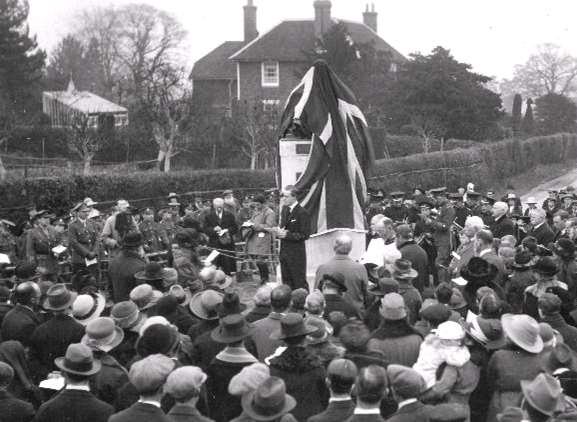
555	113
21	63
84	140
528	125
548	71
516	115
437	96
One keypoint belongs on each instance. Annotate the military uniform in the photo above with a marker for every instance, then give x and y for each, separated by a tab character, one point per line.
39	243
154	236
83	243
397	213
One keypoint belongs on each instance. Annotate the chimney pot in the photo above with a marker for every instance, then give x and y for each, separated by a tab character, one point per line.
370	18
322	17
250	31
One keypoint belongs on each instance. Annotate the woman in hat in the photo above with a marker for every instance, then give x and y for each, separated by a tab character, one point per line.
546	270
521	278
519	360
564	250
479	273
269	402
320	342
299	367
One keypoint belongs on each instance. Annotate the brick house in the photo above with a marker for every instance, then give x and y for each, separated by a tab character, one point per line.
266	66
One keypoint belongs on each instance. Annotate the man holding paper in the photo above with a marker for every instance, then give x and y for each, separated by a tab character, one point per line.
220	225
82	236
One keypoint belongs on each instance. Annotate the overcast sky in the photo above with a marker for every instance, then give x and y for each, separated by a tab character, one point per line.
491	35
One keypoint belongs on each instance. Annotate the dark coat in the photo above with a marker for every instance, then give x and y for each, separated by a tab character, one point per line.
413	412
19	324
51	339
258	312
74	405
205	349
201	327
186	413
140	412
502	227
4	309
568	275
397	341
298	368
293	257
568	332
82	240
263	328
413	300
228	221
338	303
338	411
121	272
14	410
364	359
420	261
124	353
365	418
543	234
109	379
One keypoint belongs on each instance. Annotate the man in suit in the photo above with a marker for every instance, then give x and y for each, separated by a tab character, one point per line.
221	227
371	389
124	265
76	402
11	408
502	224
407	385
541	229
484	248
148	377
294	230
82	236
20	322
341	375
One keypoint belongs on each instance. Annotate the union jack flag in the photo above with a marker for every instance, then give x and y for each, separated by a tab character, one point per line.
333	184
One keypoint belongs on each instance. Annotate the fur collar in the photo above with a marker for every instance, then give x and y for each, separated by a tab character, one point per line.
296	359
394	329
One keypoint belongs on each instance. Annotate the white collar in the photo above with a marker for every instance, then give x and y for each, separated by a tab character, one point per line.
335	399
77	387
373	411
406	402
538	225
151	402
292	207
485	252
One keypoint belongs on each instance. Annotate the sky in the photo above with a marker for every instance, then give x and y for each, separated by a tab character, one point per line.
491	35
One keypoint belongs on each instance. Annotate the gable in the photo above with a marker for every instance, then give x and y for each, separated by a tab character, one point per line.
216	64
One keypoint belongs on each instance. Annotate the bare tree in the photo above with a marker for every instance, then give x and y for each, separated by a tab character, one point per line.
428	128
84	140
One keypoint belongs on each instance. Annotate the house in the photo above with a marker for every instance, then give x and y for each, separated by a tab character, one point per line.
63	106
266	66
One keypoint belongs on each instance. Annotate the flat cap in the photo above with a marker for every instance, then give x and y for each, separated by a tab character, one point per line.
149	374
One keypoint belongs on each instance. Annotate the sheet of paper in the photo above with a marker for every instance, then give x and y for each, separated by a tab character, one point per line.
59	249
90	262
211	257
4	259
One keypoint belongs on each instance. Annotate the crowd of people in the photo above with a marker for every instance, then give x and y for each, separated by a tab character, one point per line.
462	308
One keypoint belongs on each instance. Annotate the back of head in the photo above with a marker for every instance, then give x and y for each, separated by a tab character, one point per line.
343	245
280	298
298	298
443	293
6	375
26	293
341	374
371	385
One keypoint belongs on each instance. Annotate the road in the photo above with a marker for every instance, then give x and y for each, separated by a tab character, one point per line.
540	192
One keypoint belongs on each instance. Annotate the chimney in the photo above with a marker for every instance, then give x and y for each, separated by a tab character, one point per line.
322	17
370	18
250	32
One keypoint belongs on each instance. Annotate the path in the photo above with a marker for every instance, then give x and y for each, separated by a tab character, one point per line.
540	192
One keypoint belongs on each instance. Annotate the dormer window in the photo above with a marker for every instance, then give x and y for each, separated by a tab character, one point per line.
270	74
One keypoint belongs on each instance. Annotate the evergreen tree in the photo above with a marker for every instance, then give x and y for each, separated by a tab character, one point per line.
21	64
516	119
555	113
528	126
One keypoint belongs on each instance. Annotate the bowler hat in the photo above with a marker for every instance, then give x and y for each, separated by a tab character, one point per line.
152	272
183	381
157	339
523	331
546	266
269	401
543	393
87	308
103	334
393	307
488	332
144	296
78	360
59	298
292	325
405	382
230	304
204	305
384	286
232	328
479	270
337	279
132	240
403	270
126	314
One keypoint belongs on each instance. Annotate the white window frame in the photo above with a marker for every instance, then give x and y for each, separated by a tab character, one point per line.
394	67
266	81
269	104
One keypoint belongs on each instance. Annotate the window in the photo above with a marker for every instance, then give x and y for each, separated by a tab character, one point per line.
270	74
270	105
393	68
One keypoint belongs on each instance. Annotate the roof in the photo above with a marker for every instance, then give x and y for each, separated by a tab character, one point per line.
291	40
216	65
85	102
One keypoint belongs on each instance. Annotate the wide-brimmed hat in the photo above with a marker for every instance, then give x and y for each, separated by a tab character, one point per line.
230	304
204	305
531	200
523	331
393	307
292	325
385	285
561	356
479	270
232	329
103	334
546	266
565	248
132	240
78	360
87	308
269	401
59	298
403	270
182	295
152	272
221	280
144	296
543	393
321	335
523	260
488	332
248	379
126	315
337	279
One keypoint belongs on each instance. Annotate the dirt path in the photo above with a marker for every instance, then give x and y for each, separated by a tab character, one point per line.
540	191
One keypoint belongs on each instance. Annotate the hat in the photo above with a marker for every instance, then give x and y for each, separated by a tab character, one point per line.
457	300
449	412
89	202
157	338
403	270
122	203
292	325
169	277
78	360
393	307
248	379
86	308
221	280
132	240
425	201
152	272
438	190
523	331
473	194
103	334
384	285
27	271
511	414
148	211
406	382
149	374
166	305
232	328
336	278
321	335
523	260
230	304
561	356
546	266
59	298
549	303
479	270
488	332
269	401
183	381
543	393
204	305
531	200
126	314
456	196
436	313
397	194
144	296
450	330
182	296
564	247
